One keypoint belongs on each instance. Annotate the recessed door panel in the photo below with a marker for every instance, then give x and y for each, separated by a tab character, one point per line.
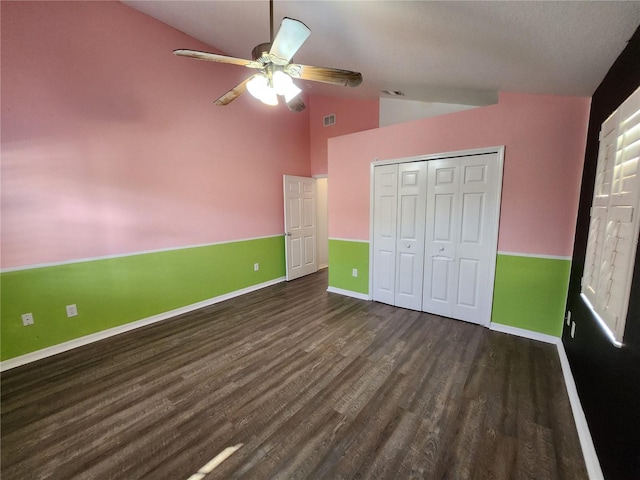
408	220
296	253
467	291
439	290
385	272
309	249
308	212
406	264
387	219
444	175
443	219
295	212
475	174
293	187
472	213
387	178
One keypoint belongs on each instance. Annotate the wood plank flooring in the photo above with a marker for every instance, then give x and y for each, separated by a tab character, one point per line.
312	384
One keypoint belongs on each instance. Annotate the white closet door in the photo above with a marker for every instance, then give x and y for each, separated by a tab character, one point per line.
412	191
441	236
477	238
384	233
461	237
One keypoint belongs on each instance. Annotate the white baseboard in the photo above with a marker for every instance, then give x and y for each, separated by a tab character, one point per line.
586	442
521	332
348	293
94	337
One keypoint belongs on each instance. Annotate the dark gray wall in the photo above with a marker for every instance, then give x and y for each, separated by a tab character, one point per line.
607	378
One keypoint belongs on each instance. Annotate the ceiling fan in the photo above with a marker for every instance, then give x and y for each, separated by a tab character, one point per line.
275	72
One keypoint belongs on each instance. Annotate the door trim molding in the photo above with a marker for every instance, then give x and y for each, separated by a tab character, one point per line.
498	149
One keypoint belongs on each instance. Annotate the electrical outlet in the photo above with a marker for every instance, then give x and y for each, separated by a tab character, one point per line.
354	272
573	329
256	267
27	319
72	310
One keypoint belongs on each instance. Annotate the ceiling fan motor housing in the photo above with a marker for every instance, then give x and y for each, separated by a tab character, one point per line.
261	52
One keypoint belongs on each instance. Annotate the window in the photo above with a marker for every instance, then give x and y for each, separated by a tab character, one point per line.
613	229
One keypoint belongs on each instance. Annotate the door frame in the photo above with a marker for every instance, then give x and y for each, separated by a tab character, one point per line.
499	150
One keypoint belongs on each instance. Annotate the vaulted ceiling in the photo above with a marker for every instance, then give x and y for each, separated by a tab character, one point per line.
450	51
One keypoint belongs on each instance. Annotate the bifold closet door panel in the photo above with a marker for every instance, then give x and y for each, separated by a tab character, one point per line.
441	236
461	237
477	226
385	200
412	194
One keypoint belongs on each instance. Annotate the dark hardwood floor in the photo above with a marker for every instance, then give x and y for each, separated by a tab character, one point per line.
312	384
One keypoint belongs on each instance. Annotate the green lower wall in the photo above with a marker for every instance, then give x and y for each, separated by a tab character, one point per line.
115	291
529	292
344	256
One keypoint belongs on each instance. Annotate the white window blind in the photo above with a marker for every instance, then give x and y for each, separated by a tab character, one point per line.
613	229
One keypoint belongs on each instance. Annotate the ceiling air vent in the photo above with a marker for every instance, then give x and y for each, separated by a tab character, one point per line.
329	120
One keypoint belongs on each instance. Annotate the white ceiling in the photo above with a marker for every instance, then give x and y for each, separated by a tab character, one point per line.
457	52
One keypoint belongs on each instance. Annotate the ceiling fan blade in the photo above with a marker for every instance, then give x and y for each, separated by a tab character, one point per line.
214	57
324	74
234	93
290	37
296	104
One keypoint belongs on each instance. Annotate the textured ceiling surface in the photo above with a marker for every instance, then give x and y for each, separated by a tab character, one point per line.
457	52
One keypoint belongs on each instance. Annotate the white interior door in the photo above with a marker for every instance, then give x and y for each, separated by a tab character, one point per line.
461	237
300	225
385	207
412	191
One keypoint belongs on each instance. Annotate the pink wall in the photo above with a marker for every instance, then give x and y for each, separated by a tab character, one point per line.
544	138
111	144
352	115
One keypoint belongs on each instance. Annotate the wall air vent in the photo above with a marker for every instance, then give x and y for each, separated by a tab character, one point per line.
329	120
393	93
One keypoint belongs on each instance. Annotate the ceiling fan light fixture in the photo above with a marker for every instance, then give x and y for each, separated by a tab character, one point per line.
283	85
259	87
274	68
292	93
